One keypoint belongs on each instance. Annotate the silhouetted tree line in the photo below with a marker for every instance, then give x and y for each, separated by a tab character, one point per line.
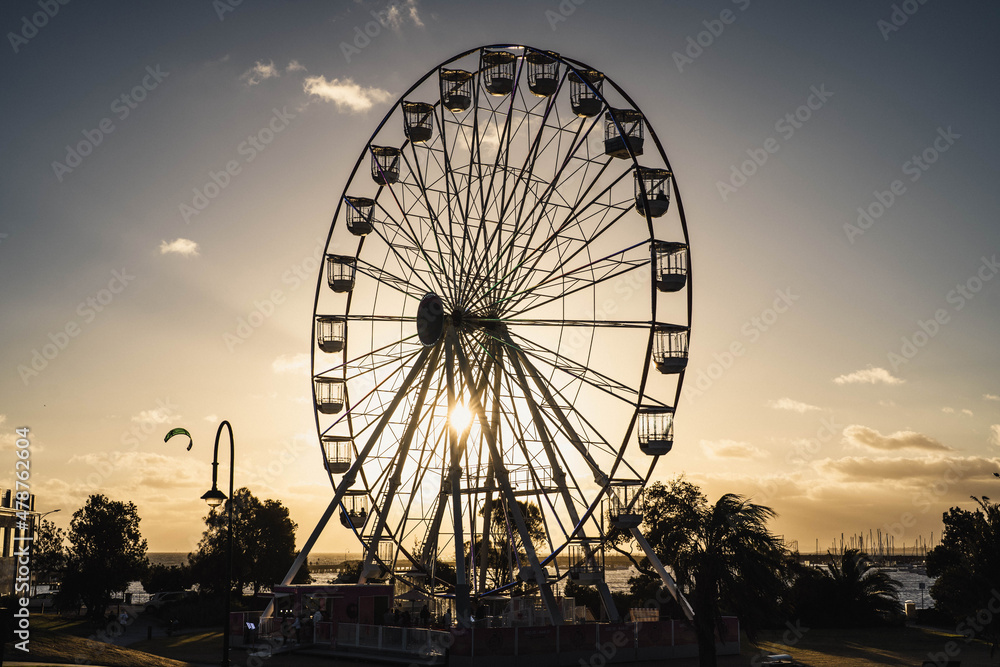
104	551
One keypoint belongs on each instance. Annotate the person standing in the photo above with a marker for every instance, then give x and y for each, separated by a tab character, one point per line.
447	618
297	626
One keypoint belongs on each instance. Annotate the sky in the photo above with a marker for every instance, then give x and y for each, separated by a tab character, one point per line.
835	161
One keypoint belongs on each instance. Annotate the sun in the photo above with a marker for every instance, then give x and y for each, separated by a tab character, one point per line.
460	417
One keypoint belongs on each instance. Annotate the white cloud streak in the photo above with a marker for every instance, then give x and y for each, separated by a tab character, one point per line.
792	405
868	376
862	436
182	247
346	94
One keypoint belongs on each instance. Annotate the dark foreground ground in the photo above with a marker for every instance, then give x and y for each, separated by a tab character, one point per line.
62	641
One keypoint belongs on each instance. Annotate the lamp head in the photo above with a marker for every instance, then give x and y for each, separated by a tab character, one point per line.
214	498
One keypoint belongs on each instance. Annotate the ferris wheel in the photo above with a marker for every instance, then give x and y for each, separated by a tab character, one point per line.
501	328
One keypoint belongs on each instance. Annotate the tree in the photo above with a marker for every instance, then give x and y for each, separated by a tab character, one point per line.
851	593
967	566
48	558
106	552
263	545
506	552
160	577
723	554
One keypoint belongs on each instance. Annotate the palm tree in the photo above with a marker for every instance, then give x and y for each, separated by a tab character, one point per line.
862	593
723	554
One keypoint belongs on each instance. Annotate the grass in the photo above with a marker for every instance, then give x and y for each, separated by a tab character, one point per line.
881	646
60	641
56	640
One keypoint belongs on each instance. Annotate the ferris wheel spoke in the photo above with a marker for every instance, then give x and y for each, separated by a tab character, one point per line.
559	474
542	202
415	245
526	168
595	379
561	237
486	199
432	216
401	455
552	394
504	482
381	351
355	409
607	267
615	324
385	278
422	468
403	262
541	300
510	280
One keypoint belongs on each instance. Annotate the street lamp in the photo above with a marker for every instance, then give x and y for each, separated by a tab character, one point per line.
36	527
214	498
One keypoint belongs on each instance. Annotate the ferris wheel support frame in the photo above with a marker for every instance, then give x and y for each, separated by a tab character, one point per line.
350	476
544	586
559	476
404	447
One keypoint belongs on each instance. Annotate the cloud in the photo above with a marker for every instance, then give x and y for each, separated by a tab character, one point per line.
967	413
862	436
259	72
991	397
731	449
789	404
949	411
212	418
182	247
868	376
395	14
154	416
3	418
295	66
912	470
290	363
346	94
995	434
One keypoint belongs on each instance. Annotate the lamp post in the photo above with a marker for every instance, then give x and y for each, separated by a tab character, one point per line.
214	497
36	528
